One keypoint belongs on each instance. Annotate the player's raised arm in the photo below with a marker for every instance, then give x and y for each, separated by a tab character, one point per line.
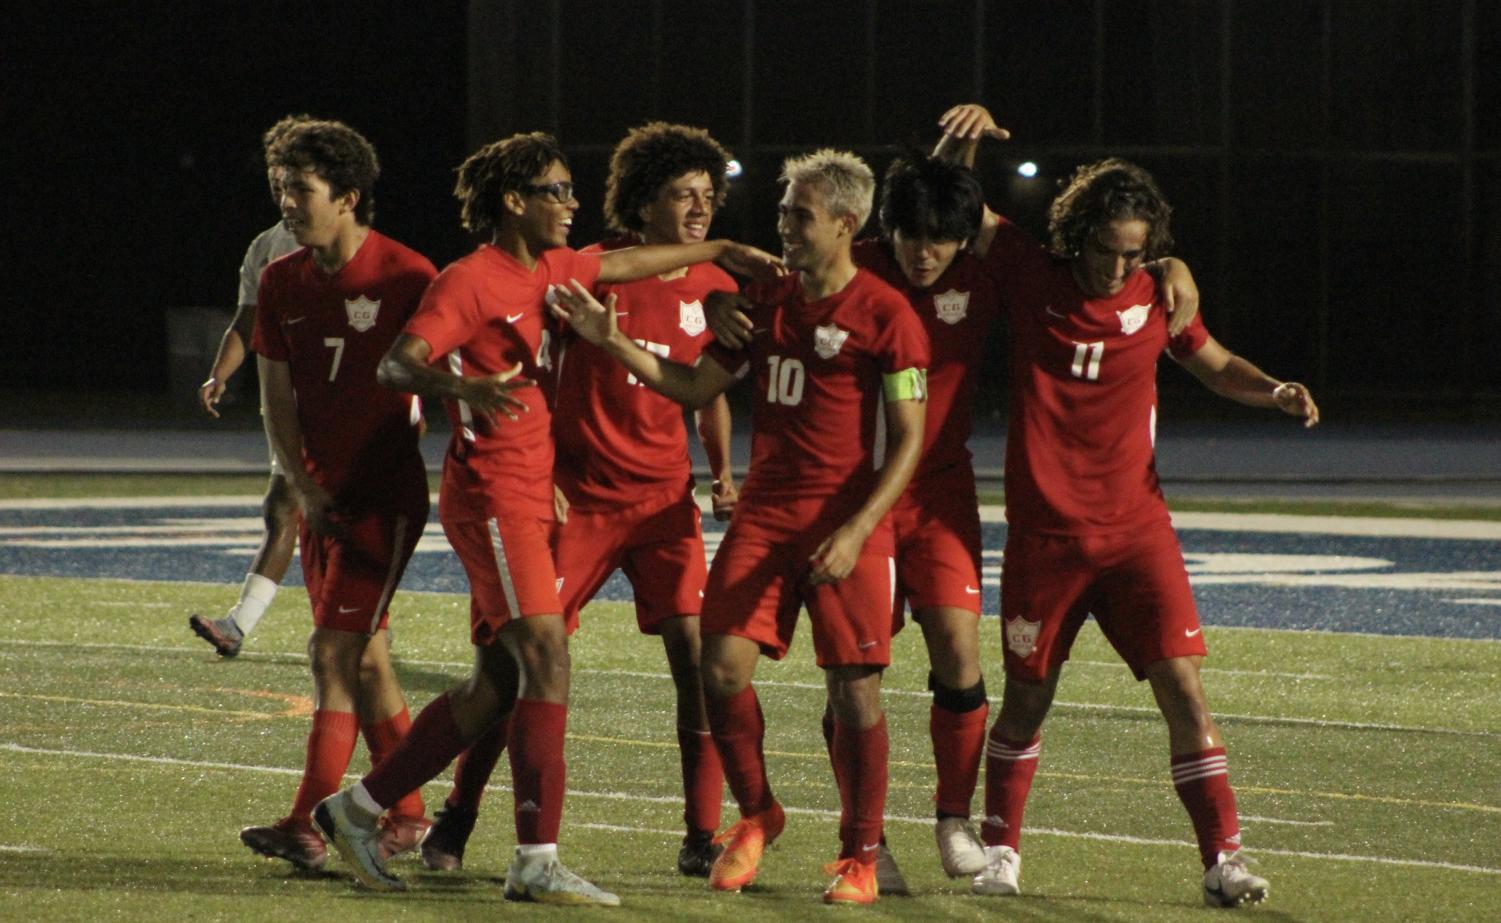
692	386
1229	375
405	367
964	126
631	263
906	395
1180	293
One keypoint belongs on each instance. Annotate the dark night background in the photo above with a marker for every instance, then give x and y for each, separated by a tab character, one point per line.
1336	166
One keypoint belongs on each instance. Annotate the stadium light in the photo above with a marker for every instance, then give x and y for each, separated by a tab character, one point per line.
1027	168
732	170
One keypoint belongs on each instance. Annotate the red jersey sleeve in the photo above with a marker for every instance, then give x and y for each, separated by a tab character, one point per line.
267	337
449	314
1191	340
902	343
566	264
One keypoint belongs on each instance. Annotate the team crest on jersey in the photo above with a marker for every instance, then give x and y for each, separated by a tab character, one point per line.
828	340
1133	318
1021	636
362	312
691	317
952	306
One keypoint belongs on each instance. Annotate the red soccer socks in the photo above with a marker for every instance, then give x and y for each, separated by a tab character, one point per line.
1203	784
330	744
1009	768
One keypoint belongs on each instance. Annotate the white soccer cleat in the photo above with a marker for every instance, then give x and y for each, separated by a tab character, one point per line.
356	835
546	881
1002	873
889	878
959	847
1229	884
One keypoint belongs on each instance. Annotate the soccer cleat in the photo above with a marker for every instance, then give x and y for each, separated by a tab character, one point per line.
357	840
1229	884
443	847
401	834
546	881
888	874
1002	873
959	847
743	843
855	882
223	633
698	854
292	840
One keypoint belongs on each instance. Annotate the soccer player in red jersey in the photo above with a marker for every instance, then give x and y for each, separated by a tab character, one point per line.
1089	531
479	341
936	233
327	314
623	466
835	352
274	555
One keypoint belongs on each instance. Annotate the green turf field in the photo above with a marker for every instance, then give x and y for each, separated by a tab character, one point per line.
131	756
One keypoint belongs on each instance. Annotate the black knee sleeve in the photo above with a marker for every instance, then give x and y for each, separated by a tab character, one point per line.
958	701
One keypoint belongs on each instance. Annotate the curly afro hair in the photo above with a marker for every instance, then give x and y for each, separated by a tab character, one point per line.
655	154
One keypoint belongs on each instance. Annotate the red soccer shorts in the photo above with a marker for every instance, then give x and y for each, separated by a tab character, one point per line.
660	550
937	529
350	579
509	564
1134	583
758	584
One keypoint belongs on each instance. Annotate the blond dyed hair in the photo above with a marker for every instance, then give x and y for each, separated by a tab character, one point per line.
847	182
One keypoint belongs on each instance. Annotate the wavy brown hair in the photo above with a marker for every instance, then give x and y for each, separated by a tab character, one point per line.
338	154
652	155
1102	192
500	167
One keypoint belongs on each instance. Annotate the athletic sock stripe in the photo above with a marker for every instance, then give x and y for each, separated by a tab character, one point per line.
995	751
1200	764
1178	780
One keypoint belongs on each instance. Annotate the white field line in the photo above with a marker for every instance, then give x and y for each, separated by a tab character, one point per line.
629	797
1475	602
462	667
1287	823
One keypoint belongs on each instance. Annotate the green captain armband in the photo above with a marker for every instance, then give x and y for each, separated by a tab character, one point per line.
906	385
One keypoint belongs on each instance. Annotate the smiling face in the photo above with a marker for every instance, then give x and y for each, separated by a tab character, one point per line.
811	235
922	260
309	209
544	222
1109	255
681	211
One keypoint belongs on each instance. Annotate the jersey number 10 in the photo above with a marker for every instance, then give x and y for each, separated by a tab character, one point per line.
785	381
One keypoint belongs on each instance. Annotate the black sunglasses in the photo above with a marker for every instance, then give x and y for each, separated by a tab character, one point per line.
561	191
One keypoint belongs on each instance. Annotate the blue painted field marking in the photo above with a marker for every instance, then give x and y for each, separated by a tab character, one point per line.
1385	576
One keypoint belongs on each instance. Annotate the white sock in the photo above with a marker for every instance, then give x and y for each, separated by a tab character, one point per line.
537	852
255	597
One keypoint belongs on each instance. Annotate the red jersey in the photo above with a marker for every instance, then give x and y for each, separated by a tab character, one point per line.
618	441
482	315
359	439
957	312
818	403
1079	450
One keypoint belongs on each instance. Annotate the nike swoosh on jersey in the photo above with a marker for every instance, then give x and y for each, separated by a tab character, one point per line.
1190	634
513	318
344	610
1049	309
296	320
